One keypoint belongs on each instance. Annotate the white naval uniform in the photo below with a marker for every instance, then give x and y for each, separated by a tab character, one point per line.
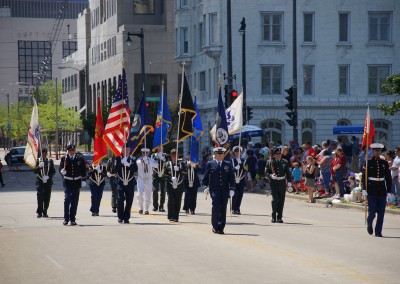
145	181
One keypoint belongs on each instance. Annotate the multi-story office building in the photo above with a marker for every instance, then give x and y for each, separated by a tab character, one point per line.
345	49
102	41
35	35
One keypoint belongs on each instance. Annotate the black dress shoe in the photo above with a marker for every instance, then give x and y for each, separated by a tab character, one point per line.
378	235
161	210
192	213
39	215
221	232
176	220
140	211
146	212
214	231
96	214
187	211
126	221
238	212
155	209
120	220
114	210
45	215
171	220
370	230
73	223
280	221
273	220
65	223
93	214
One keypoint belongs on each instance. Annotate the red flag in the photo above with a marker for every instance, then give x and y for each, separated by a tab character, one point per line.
118	123
100	148
369	131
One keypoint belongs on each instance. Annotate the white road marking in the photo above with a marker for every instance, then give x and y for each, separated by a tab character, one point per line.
53	261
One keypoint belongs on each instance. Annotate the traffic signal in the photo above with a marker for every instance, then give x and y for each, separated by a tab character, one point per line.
249	113
234	95
290	99
147	104
292	121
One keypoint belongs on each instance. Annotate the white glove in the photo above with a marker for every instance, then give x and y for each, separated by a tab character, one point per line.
160	155
98	168
176	168
237	167
83	183
63	172
126	163
109	174
45	178
145	159
124	160
273	176
231	193
364	192
206	190
41	164
289	184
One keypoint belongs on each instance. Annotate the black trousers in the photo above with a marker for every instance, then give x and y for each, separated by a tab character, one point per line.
114	194
159	186
218	211
174	201
43	193
237	197
278	192
190	199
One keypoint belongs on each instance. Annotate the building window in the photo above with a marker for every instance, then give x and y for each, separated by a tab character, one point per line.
308	27
344	79
379	25
272	27
181	4
201	37
307	131
143	7
344	29
343	122
382	130
272	130
271	79
184	46
68	47
376	77
31	54
308	76
213	29
202	83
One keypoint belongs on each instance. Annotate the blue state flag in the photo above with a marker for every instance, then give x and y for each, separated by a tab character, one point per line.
221	133
163	123
140	127
197	133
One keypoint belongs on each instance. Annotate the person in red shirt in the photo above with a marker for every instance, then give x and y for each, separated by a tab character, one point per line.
310	150
338	169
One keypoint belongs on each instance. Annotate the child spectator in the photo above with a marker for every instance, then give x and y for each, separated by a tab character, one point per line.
296	173
261	164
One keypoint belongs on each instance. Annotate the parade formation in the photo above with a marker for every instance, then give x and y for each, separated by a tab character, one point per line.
224	178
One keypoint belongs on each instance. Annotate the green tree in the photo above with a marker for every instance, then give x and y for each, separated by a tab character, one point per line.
392	88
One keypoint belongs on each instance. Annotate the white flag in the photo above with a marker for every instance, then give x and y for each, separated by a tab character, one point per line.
234	116
32	147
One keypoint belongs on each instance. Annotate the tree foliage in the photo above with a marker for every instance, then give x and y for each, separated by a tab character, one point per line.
391	88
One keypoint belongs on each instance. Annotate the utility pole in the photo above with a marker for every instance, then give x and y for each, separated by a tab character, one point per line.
229	38
294	85
56	119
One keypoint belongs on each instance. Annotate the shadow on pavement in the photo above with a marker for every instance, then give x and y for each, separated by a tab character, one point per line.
248	235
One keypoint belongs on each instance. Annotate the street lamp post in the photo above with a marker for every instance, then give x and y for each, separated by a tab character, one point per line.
8	117
129	42
242	32
56	118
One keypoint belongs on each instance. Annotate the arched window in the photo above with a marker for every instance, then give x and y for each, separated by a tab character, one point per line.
272	130
307	130
382	130
343	122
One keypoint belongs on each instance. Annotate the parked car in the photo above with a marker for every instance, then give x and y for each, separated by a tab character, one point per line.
87	156
15	156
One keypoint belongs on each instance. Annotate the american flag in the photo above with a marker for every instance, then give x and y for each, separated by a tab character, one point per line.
118	123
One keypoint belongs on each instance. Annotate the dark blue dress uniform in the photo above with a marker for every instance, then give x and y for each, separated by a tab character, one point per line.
159	184
278	168
190	200
110	167
75	173
96	184
43	187
378	183
126	183
240	184
174	194
219	178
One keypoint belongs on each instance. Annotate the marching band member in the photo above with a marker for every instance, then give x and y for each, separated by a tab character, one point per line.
73	170
97	181
159	180
44	180
278	173
145	167
174	172
240	182
192	183
111	173
219	181
125	181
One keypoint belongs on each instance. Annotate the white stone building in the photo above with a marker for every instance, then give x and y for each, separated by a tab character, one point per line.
345	49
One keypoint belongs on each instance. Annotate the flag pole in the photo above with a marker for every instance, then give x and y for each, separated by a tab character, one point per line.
366	165
180	110
241	126
162	112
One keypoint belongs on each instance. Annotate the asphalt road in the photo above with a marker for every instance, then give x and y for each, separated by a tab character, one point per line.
315	245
